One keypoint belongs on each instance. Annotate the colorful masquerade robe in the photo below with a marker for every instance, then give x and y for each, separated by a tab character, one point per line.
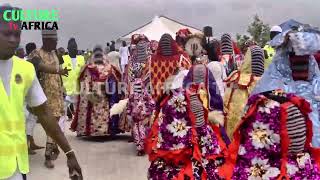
140	104
99	91
162	67
182	144
209	93
181	36
317	57
232	58
239	86
200	74
273	141
280	76
229	63
140	108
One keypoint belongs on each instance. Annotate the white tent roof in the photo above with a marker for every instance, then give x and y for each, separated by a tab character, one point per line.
158	26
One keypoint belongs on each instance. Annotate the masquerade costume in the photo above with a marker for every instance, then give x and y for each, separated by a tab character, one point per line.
141	104
140	109
239	86
194	45
200	74
209	95
294	70
185	140
181	36
273	140
140	57
182	142
230	54
99	91
164	62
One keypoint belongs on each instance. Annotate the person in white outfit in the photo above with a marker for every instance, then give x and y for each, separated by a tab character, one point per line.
114	58
124	55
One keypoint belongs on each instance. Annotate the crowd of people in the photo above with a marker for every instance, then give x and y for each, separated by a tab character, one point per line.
198	106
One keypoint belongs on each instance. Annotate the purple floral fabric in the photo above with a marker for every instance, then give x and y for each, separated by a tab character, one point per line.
175	134
140	108
139	132
259	155
162	170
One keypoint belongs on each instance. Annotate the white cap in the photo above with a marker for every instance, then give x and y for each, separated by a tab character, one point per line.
276	29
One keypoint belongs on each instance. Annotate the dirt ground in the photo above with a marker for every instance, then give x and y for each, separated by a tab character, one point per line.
100	159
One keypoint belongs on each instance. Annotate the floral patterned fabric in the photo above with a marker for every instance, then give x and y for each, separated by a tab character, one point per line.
140	105
51	83
53	89
279	76
178	148
137	66
92	114
140	108
260	147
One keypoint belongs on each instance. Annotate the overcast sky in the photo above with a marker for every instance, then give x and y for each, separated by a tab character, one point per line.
98	21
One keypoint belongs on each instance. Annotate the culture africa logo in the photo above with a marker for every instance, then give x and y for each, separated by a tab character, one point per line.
31	19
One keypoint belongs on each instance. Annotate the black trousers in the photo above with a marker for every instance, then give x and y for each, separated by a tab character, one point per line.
24	177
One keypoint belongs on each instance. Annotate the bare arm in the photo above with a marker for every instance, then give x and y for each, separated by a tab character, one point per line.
53	70
50	69
50	125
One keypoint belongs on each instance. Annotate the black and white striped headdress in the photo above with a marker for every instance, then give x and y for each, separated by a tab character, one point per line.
226	44
257	60
297	130
165	45
142	51
137	86
199	73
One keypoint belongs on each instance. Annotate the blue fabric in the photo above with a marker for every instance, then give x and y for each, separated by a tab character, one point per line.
290	24
305	43
215	99
278	76
302	43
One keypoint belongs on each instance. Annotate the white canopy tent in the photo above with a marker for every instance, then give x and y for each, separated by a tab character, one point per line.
158	26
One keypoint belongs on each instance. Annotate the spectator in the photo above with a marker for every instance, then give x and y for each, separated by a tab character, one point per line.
113	46
124	55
